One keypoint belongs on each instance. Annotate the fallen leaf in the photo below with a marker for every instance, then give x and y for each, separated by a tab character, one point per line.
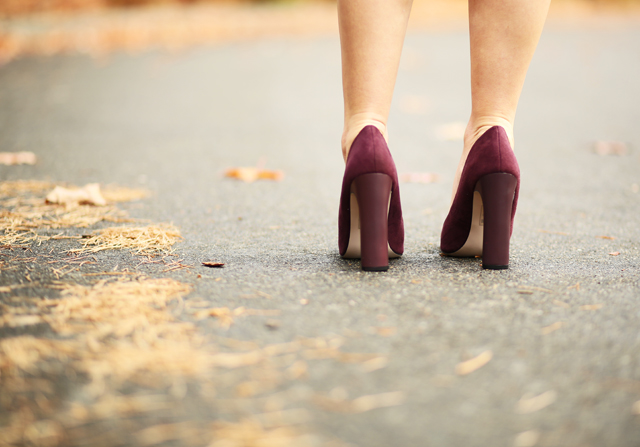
527	438
213	264
374	364
373	401
17	158
419	177
87	195
386	331
551	328
473	364
610	148
530	403
592	306
251	174
606	237
614	253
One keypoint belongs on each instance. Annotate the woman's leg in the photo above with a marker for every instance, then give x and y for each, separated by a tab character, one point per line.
504	35
371	37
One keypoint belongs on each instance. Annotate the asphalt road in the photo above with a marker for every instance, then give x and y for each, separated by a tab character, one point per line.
173	122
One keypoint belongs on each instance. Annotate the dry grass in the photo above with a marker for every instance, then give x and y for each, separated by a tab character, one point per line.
24	211
252	433
118	333
141	240
128	332
21	187
18	224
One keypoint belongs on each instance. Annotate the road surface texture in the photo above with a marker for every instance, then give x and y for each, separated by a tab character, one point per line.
434	352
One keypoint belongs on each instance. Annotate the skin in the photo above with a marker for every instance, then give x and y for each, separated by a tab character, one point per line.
503	34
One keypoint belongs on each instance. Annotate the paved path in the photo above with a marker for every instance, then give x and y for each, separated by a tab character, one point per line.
173	123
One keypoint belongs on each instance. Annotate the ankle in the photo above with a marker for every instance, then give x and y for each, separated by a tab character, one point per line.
477	126
355	124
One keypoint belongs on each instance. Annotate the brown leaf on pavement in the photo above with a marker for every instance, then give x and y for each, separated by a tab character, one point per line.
530	403
213	264
614	253
464	368
606	237
87	195
251	174
527	438
17	158
551	328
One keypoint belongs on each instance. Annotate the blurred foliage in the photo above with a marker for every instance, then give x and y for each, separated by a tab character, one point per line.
20	7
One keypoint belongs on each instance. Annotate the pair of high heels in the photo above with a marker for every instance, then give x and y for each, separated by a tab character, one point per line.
480	220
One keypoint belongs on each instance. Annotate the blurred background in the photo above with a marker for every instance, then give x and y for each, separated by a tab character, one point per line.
96	27
166	95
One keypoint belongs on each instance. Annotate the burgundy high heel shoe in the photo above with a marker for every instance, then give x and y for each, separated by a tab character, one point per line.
480	221
370	225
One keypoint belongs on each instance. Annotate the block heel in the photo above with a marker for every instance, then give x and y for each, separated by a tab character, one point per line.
497	192
480	220
370	225
372	193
